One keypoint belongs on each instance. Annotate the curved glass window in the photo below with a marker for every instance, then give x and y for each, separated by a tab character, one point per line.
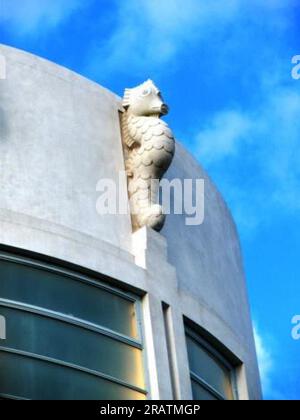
211	375
67	336
71	295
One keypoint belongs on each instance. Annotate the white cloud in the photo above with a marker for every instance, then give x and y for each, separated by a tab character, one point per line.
150	33
268	365
223	136
268	137
30	16
265	362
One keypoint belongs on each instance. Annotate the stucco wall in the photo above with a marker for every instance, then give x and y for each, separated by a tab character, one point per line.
209	263
60	134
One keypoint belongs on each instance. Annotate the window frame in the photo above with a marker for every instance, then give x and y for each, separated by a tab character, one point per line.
202	342
37	261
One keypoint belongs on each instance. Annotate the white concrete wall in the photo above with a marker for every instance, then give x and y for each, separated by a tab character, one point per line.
60	134
209	268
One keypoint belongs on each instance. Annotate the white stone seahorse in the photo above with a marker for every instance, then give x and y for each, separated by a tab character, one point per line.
149	148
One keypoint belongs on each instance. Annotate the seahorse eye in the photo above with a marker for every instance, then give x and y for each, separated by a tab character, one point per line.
146	92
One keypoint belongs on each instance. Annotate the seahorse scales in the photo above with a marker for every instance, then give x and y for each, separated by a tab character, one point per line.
149	148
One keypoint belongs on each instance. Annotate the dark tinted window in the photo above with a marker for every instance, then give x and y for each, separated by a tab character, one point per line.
67	336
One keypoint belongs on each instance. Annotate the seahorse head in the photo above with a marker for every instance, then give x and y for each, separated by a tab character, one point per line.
145	100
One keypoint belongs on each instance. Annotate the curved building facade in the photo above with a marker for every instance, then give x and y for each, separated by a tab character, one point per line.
88	309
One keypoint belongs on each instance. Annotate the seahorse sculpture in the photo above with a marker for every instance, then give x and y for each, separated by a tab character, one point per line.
149	148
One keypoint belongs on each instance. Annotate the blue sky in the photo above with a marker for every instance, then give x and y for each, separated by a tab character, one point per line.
224	66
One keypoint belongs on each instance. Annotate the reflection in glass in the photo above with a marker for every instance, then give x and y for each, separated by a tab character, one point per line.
38	380
105	361
60	293
55	339
200	393
209	368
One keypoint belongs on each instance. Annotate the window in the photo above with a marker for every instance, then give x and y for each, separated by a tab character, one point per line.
211	374
68	336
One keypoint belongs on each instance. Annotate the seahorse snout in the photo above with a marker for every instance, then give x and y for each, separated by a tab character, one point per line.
164	109
161	109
